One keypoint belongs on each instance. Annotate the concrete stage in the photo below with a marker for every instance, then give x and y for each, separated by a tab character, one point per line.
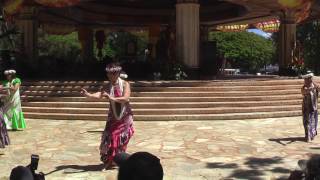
189	150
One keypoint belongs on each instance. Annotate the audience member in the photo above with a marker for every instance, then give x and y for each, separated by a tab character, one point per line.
309	169
140	166
21	173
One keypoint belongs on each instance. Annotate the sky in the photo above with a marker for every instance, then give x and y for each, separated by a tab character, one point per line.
259	32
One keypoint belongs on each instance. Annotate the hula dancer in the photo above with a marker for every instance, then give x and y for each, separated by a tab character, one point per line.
4	138
119	125
12	110
310	92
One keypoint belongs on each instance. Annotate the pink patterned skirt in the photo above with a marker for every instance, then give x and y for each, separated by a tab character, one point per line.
115	137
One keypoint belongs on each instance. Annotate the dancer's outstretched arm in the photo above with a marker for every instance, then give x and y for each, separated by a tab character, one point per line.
3	87
96	95
305	90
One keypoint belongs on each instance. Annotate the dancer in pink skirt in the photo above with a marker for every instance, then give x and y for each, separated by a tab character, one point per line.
119	126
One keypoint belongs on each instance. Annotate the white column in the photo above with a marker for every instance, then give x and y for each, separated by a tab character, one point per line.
188	32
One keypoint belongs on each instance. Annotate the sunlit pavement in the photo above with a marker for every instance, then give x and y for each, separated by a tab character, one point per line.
249	149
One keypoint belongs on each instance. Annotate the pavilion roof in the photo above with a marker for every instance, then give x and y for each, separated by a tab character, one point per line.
227	14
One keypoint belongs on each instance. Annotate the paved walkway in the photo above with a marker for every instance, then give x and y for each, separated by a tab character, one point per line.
252	149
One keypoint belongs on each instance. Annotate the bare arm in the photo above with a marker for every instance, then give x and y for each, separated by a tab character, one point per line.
4	87
125	98
316	86
15	87
96	95
305	90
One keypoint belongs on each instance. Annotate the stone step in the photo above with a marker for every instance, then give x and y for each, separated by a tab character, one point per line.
241	82
172	94
163	105
167	99
180	111
193	117
161	89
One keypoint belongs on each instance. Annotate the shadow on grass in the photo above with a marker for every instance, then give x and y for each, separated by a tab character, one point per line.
253	168
289	140
70	169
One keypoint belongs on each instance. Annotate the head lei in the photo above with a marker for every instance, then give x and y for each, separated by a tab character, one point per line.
309	75
113	68
9	72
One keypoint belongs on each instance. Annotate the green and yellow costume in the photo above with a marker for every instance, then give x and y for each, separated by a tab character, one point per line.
12	110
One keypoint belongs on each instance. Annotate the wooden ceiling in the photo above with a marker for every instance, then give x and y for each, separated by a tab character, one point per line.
144	12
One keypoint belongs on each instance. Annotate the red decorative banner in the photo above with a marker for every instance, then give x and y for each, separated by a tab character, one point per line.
233	28
268	26
57	3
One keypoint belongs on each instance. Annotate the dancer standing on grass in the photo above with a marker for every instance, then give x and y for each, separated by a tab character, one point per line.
310	91
12	110
119	126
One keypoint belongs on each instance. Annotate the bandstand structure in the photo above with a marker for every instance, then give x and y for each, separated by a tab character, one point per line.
189	21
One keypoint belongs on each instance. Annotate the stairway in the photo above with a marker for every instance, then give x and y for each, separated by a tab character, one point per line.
161	101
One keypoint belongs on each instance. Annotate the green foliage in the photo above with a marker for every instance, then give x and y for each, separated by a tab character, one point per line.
309	35
116	43
173	71
244	50
9	44
64	47
8	36
59	55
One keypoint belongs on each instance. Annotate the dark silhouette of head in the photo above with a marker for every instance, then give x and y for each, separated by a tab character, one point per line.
21	173
309	169
313	168
141	166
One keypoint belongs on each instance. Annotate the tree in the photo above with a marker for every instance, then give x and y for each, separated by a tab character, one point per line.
66	47
9	36
244	50
116	44
309	36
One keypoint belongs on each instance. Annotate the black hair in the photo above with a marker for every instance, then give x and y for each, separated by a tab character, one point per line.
21	173
313	168
141	166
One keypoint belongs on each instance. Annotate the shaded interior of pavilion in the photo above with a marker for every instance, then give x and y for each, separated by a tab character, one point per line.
182	27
